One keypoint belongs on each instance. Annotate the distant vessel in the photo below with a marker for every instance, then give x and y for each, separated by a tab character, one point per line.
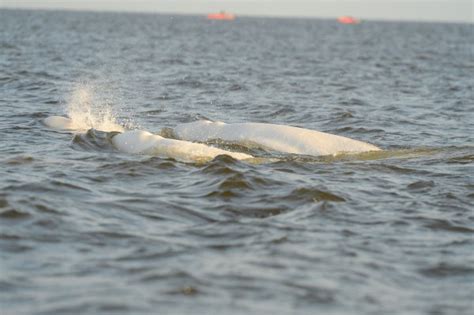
221	16
348	20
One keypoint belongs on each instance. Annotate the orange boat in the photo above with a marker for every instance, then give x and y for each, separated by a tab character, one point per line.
221	16
348	20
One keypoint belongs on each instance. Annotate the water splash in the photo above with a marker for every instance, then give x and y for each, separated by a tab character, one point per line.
88	110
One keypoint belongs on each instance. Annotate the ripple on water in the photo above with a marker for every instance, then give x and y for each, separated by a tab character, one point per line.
421	185
10	212
446	225
313	194
443	270
19	160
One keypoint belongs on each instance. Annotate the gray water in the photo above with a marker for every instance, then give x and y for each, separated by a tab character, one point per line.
85	229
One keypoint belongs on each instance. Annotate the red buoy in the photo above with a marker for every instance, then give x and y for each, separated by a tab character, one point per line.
221	16
348	20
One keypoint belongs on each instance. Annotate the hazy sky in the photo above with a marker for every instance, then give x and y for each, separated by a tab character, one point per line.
433	10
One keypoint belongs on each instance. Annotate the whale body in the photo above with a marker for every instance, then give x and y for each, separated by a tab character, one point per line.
280	138
144	142
59	122
65	123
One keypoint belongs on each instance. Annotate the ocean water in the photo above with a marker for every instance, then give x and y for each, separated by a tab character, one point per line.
85	229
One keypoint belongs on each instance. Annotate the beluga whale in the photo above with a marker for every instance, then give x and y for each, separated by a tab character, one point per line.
144	142
281	138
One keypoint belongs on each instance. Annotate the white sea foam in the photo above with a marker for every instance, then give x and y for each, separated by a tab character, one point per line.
280	138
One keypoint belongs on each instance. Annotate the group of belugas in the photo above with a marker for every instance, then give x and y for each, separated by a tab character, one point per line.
189	146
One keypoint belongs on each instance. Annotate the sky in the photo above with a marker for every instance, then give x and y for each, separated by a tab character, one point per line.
414	10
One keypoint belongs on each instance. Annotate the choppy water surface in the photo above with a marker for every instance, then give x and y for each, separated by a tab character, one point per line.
86	229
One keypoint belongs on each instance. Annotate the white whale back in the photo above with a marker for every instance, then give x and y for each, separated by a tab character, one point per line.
64	123
61	123
144	142
274	137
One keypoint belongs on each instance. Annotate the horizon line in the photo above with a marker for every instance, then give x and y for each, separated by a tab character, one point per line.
244	15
